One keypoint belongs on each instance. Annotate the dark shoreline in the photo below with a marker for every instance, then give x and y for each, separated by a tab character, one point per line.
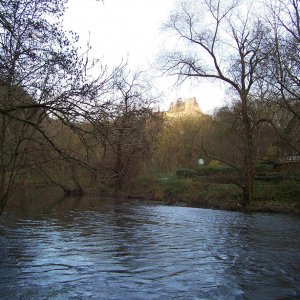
218	203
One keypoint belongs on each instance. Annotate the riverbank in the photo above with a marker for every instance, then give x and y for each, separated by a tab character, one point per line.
274	193
276	196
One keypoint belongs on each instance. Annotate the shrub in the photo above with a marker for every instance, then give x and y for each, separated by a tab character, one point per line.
215	170
263	168
214	163
186	173
281	191
275	177
172	186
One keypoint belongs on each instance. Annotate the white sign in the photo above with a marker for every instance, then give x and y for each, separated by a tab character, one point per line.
200	161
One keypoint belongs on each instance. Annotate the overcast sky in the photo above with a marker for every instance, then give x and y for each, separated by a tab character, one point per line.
131	30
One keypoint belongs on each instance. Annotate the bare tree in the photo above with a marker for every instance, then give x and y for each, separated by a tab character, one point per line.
42	77
283	68
284	44
127	133
222	41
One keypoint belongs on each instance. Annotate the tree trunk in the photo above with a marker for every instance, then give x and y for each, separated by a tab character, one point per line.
118	166
3	201
248	155
249	174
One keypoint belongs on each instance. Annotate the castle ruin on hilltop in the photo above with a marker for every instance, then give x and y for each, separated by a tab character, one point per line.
181	106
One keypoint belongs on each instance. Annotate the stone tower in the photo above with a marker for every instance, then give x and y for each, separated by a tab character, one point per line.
181	106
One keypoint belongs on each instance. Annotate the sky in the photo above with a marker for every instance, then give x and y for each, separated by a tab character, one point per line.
131	31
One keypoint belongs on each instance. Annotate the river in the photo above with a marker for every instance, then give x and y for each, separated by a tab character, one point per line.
93	248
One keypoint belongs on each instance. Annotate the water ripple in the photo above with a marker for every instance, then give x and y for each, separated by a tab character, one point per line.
136	251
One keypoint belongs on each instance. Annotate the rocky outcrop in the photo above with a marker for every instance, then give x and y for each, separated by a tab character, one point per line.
181	106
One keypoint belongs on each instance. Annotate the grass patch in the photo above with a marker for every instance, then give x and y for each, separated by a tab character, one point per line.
163	185
287	191
272	192
264	168
271	177
221	192
186	173
214	170
171	185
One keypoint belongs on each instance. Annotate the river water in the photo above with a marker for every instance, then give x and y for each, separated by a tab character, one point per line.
93	248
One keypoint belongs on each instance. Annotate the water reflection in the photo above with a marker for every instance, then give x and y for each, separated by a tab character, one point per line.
104	249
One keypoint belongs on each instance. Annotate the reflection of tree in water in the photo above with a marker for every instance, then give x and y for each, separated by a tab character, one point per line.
37	228
32	201
41	202
64	204
131	234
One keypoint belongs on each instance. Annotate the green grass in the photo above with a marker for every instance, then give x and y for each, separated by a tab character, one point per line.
172	185
287	191
214	170
272	194
222	193
186	173
270	177
264	168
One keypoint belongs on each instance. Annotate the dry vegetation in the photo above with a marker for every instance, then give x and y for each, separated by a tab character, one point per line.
60	126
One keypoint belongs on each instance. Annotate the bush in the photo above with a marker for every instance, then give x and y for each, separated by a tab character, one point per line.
214	163
215	170
172	186
186	173
281	191
264	168
275	177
